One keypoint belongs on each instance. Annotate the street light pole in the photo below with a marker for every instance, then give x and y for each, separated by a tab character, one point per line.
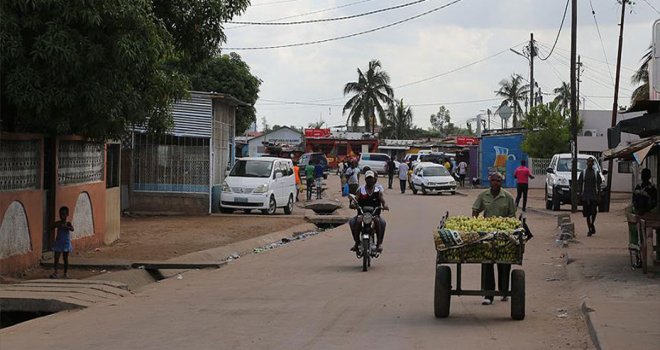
532	51
573	105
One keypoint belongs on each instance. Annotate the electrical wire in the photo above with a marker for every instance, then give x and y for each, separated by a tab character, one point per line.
306	13
561	25
453	103
595	59
653	7
329	19
456	69
345	36
601	40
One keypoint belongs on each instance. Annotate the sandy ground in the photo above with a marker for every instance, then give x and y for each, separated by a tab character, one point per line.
165	237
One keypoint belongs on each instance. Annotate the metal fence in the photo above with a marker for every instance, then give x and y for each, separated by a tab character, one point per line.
20	165
538	166
171	164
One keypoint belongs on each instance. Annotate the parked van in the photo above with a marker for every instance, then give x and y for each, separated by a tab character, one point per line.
263	183
376	162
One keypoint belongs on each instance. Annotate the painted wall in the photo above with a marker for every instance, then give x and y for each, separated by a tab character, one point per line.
501	153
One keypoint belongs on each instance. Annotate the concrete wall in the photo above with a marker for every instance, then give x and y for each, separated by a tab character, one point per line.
171	203
283	135
112	214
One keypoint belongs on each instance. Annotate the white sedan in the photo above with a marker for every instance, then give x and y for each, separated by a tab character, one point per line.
432	178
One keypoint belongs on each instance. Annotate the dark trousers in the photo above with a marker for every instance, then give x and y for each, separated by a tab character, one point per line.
403	184
390	178
310	187
522	190
488	277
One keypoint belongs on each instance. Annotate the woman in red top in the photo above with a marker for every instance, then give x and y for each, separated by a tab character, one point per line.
522	175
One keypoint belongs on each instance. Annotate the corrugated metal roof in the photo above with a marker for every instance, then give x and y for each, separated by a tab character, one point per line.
192	117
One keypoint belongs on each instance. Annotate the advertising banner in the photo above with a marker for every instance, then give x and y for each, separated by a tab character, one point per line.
317	133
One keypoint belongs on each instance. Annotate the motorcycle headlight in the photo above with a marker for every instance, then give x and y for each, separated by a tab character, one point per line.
367	218
261	189
225	187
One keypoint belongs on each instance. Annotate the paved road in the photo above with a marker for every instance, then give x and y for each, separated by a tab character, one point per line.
312	294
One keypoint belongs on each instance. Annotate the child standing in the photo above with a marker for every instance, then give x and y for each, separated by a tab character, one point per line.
62	244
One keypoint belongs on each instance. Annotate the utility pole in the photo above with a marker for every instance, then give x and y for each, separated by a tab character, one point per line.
615	105
579	73
532	53
573	105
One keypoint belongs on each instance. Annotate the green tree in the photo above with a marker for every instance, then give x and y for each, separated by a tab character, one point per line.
371	91
513	91
196	27
97	68
316	125
442	120
641	76
549	132
399	120
563	98
229	74
264	125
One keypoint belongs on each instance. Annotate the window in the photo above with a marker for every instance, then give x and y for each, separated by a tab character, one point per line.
366	156
625	167
252	168
112	161
380	157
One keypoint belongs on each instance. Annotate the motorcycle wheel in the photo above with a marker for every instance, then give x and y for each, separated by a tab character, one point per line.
365	255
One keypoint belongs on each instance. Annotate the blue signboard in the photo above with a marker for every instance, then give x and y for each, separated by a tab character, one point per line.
501	153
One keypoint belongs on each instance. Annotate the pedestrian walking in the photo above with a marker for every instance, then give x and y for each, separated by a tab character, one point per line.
462	172
391	167
296	172
403	176
495	201
340	172
309	180
522	176
62	244
318	176
589	182
352	178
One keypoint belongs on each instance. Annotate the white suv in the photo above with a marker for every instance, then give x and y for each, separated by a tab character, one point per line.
558	179
375	161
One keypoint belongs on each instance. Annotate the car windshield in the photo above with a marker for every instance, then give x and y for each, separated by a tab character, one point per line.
564	164
435	171
432	158
252	168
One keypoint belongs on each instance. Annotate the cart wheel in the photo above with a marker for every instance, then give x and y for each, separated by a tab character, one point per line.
518	294
442	291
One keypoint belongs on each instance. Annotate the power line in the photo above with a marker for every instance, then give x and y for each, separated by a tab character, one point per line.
453	103
345	36
593	59
307	13
601	40
561	25
654	9
456	69
329	19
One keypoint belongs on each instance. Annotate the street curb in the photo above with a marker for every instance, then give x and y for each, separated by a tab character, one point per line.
585	310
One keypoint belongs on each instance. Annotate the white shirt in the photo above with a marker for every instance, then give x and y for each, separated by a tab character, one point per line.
462	167
403	171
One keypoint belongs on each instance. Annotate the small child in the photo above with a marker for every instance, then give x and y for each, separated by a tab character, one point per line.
62	241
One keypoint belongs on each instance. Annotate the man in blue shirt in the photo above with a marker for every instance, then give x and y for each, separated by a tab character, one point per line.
318	175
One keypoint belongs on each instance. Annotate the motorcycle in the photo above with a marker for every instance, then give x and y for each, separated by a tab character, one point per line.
367	248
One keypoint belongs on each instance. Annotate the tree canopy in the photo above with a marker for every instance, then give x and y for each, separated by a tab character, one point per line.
549	131
371	91
229	74
399	121
97	68
441	121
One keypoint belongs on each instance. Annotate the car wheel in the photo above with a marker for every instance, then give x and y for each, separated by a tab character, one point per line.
548	202
453	193
414	189
226	210
423	190
272	207
289	206
247	211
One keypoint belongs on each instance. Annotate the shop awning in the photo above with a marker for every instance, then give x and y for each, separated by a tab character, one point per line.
637	150
395	148
645	126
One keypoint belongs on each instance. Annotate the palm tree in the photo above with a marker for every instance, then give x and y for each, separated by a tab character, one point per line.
513	91
371	89
399	120
641	76
563	98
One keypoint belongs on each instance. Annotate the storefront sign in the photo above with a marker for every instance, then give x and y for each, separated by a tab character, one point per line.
317	133
466	141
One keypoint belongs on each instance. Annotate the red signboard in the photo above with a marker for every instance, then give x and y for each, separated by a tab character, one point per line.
466	141
318	133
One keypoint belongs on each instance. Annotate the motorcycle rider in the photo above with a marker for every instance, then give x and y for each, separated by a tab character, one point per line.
369	195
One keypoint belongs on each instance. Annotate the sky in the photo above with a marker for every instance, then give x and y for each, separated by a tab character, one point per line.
454	56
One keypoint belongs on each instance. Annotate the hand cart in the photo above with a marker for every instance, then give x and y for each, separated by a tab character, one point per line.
499	249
